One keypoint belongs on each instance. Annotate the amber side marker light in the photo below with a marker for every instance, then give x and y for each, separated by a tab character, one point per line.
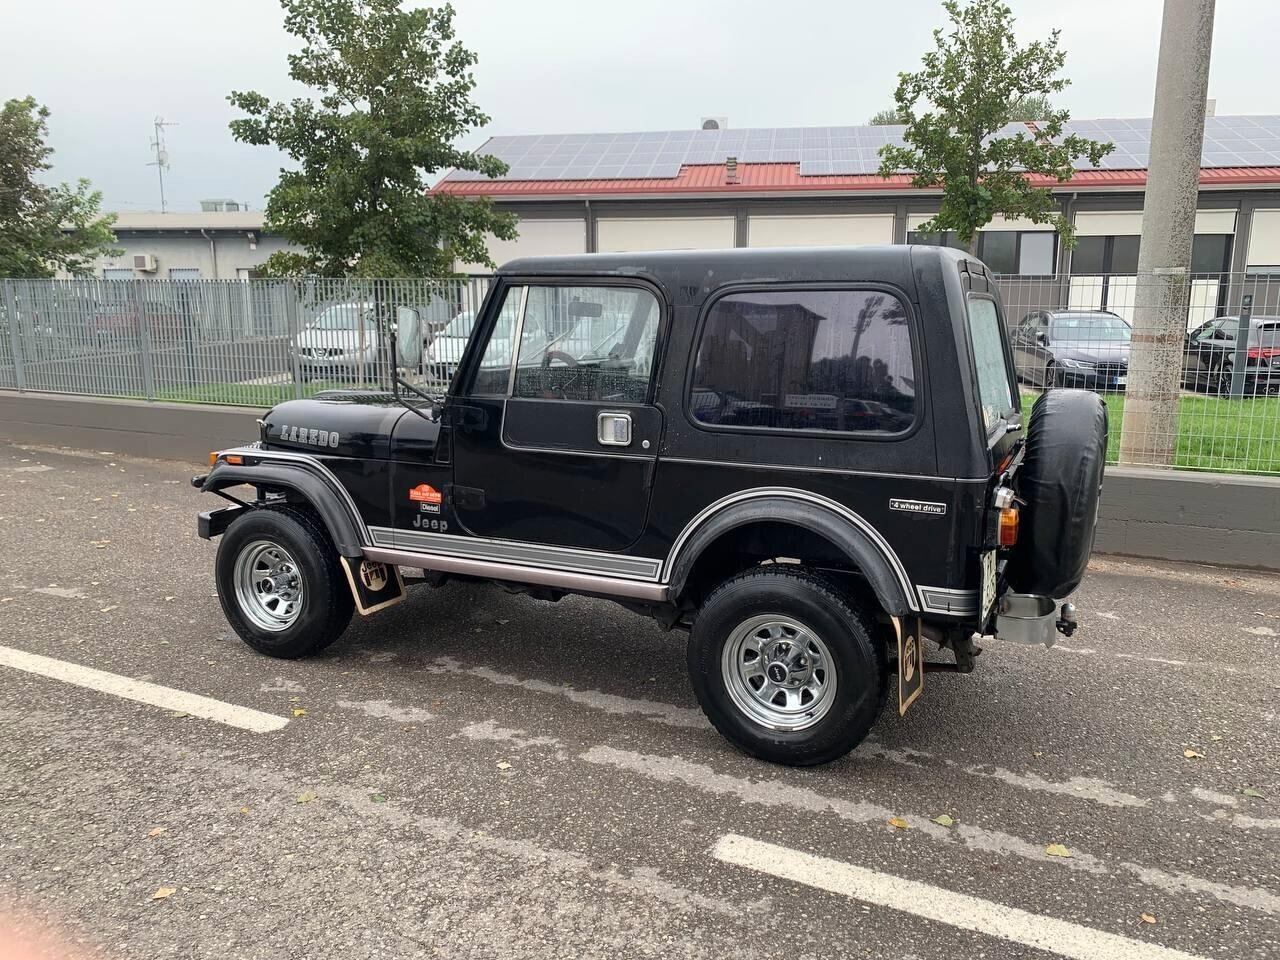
233	458
1008	526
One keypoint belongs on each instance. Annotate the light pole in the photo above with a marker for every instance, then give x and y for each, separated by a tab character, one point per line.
1149	434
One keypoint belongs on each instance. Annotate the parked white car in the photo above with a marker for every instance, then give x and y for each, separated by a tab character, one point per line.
345	342
445	351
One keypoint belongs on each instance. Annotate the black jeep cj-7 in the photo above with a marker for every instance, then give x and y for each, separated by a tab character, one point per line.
813	460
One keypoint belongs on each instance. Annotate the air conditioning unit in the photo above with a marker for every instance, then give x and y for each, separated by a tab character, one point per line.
145	262
715	123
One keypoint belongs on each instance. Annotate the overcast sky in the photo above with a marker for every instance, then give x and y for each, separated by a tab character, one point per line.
106	69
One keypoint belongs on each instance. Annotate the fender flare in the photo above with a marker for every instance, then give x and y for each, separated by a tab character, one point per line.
316	488
871	559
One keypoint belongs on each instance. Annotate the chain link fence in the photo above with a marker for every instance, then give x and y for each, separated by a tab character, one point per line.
251	342
1220	370
258	342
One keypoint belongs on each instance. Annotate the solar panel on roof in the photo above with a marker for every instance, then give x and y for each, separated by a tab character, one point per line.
824	151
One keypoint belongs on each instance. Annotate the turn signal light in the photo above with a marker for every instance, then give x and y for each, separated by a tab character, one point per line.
213	457
1008	526
232	458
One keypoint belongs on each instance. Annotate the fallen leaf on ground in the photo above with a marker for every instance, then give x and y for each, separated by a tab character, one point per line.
1214	737
164	893
503	765
1192	754
1037	753
306	797
1251	792
943	820
1056	850
1148	918
156	831
6	599
170	598
108	609
244	809
299	711
377	798
898	822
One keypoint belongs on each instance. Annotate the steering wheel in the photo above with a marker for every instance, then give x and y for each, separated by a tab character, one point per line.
560	355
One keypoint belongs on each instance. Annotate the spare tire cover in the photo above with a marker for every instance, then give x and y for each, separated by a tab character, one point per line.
1059	483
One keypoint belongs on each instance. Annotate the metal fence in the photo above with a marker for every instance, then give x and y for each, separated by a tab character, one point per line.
1075	331
261	341
252	342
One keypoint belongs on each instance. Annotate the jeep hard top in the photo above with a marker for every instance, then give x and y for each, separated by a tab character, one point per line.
812	460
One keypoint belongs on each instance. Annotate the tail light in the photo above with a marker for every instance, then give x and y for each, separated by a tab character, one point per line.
1008	526
1263	353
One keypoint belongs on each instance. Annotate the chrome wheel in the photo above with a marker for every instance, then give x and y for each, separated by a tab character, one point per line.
268	585
778	672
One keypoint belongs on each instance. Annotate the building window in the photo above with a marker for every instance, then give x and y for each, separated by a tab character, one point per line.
117	273
1028	253
184	273
834	360
1210	253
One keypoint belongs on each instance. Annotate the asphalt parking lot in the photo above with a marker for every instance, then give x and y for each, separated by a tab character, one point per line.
477	774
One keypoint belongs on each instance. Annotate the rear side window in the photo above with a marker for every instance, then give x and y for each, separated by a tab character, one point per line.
837	360
994	389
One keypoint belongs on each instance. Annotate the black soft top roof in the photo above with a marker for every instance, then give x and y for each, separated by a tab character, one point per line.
682	272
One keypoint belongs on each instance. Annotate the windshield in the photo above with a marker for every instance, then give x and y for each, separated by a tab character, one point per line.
342	316
1089	328
994	390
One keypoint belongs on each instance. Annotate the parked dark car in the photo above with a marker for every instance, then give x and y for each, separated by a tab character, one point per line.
116	323
814	461
1210	356
1073	348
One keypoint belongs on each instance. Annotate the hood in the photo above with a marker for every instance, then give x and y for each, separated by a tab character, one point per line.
1095	352
356	424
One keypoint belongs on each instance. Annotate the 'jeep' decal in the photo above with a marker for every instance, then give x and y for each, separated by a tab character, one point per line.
918	506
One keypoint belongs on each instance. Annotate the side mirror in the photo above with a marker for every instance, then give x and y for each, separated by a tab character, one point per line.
1042	337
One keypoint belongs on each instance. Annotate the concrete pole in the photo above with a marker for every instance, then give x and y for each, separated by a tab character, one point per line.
1150	431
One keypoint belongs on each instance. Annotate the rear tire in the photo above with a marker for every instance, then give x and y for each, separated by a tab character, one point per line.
280	582
816	681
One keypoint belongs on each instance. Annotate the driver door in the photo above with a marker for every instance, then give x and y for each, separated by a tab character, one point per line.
555	431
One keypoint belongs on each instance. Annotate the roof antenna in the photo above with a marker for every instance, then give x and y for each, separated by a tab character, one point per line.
161	161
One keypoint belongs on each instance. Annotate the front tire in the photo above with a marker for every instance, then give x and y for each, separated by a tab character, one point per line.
786	668
280	582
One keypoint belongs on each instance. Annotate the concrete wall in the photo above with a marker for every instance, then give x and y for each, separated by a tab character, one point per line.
1196	517
1199	517
139	428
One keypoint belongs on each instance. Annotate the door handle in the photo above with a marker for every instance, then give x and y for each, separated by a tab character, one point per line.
613	429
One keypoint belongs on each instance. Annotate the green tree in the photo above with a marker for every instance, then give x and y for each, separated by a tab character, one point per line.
1031	108
44	229
964	94
392	95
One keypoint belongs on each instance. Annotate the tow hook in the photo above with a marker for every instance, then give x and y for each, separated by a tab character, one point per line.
1067	620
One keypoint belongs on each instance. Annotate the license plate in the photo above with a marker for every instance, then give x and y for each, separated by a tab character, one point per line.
988	583
1121	381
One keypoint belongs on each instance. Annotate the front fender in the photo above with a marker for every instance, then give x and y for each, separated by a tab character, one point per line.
343	523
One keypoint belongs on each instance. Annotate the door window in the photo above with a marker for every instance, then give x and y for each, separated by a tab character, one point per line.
587	343
494	375
806	360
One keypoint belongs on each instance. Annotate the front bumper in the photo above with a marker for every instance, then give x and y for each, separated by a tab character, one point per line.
1027	618
1092	380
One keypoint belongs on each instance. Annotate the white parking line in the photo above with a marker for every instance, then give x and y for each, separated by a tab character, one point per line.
142	692
935	903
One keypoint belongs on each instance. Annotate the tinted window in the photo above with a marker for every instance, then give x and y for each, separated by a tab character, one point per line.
806	360
1088	255
1209	253
1000	251
587	343
1088	327
1124	255
1267	336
